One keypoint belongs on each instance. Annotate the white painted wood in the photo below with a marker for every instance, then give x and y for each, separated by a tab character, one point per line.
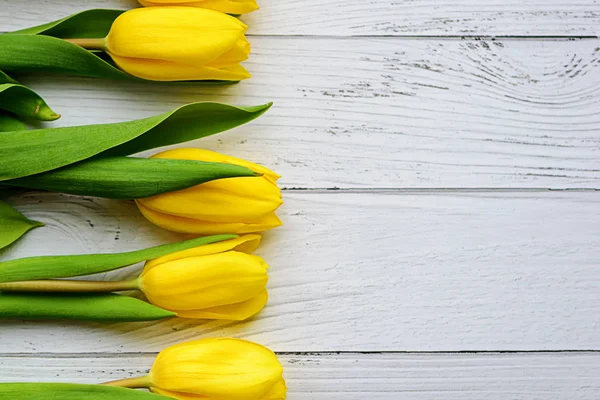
555	376
385	113
378	17
371	271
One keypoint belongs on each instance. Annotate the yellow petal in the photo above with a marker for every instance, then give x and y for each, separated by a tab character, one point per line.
232	312
195	283
244	244
278	392
224	200
169	71
213	156
225	6
186	35
199	227
224	369
236	55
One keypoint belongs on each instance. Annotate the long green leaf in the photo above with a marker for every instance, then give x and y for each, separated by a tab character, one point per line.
129	178
6	79
9	122
43	150
87	24
23	101
48	267
87	307
68	391
33	53
13	224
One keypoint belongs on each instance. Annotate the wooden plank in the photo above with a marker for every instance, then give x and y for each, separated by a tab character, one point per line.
374	271
523	376
364	113
356	17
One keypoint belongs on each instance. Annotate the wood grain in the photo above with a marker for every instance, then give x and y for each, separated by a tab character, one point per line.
379	113
492	376
379	17
375	271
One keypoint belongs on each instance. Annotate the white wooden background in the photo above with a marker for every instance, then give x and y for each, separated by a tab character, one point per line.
441	161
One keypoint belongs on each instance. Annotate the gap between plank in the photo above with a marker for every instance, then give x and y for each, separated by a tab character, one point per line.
298	353
436	190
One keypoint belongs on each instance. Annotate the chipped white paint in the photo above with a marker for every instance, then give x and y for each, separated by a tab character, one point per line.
375	270
376	17
557	376
389	113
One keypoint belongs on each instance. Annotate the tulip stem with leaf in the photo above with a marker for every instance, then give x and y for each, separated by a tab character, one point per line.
155	43
209	278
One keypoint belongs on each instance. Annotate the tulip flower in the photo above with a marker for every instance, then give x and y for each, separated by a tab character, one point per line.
176	44
236	205
221	280
224	6
217	281
214	369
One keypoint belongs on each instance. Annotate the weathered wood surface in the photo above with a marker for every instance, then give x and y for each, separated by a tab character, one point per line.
378	17
555	376
382	266
375	271
383	113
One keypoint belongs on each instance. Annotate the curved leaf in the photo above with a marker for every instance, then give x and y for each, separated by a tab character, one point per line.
48	267
13	224
87	24
43	150
33	53
6	79
70	391
129	178
23	101
87	307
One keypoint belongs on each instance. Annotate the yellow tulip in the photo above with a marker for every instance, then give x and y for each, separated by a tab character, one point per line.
225	6
215	281
214	369
233	205
224	369
178	43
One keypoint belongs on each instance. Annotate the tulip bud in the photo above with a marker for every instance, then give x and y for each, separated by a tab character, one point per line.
224	6
179	43
216	281
223	369
232	205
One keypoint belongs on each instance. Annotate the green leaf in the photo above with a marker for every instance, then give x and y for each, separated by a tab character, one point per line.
43	150
27	53
13	224
48	267
69	391
87	307
23	101
9	122
87	24
33	53
6	79
129	178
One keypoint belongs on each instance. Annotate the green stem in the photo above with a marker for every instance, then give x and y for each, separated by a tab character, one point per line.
132	383
71	286
89	44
